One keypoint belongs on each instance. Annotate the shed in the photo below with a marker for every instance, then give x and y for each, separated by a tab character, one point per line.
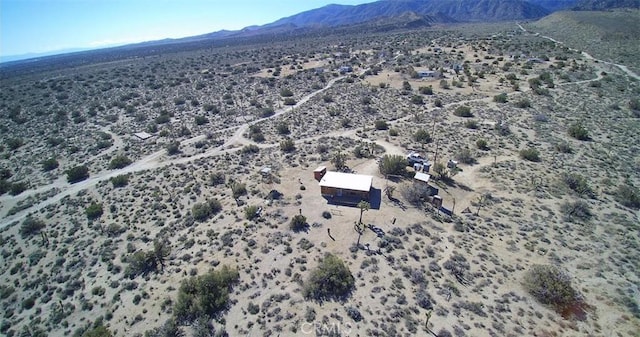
319	172
349	185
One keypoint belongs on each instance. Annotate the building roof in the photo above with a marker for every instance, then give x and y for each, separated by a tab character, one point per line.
421	176
347	181
142	135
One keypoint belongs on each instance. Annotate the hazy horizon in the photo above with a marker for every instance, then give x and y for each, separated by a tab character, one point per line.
31	28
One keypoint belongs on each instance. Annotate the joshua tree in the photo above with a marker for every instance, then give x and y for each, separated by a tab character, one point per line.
161	251
363	206
359	227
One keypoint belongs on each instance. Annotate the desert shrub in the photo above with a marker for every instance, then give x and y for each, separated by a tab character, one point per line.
173	148
201	120
285	92
249	149
523	103
31	226
251	212
414	194
267	112
628	195
482	144
49	164
354	313
438	103
465	156
471	124
287	145
530	154
417	100
119	162
253	308
551	286
332	279
393	164
94	211
18	187
140	263
463	111
578	184
289	101
393	132
204	210
426	90
204	296
217	178
576	211
238	189
5	186
501	98
422	136
578	132
326	214
564	147
98	331
283	128
381	125
120	181
77	174
634	104
298	223
14	143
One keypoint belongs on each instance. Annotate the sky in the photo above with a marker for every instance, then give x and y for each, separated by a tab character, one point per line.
42	26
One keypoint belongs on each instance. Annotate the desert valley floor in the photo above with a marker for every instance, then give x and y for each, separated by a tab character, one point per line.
548	169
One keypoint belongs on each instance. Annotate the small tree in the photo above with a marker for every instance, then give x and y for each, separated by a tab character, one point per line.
94	211
332	279
161	250
422	136
120	181
393	164
119	162
205	296
77	174
31	226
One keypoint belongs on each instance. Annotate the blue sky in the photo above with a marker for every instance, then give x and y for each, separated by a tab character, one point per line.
38	26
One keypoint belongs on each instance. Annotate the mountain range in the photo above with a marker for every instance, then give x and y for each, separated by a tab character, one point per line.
385	15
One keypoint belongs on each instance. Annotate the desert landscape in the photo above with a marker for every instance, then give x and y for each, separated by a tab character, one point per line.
175	194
